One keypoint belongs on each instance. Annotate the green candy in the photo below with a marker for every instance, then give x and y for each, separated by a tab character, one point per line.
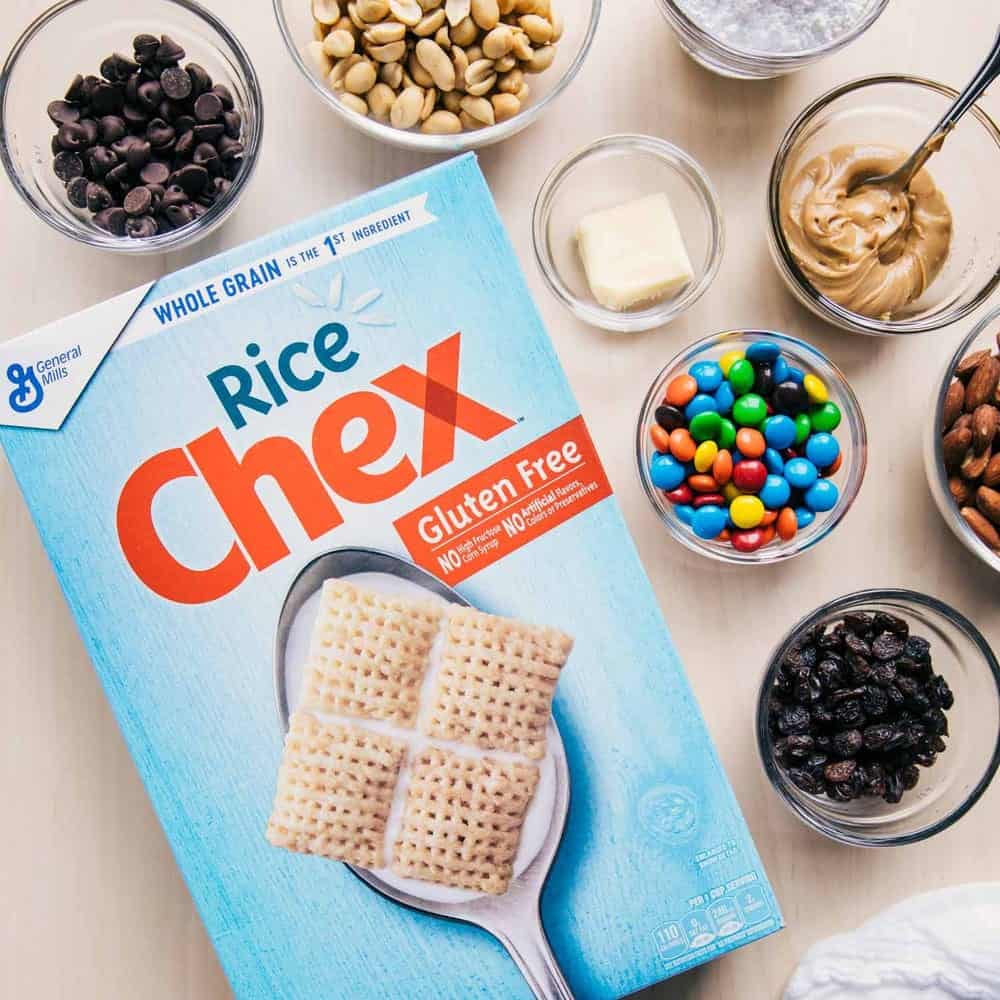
825	417
727	434
803	427
749	410
741	376
705	426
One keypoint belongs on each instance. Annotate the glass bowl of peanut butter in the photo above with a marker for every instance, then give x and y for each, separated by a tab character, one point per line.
875	260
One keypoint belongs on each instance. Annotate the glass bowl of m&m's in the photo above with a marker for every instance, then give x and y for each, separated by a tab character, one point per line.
751	446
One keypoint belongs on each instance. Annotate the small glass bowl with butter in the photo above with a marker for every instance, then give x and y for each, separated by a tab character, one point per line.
628	232
896	112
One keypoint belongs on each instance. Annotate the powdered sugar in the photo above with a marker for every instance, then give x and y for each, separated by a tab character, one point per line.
776	26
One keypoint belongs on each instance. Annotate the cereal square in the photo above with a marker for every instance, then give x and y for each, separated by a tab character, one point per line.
369	654
335	791
496	682
462	820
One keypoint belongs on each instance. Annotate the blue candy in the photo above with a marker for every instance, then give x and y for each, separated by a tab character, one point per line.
779	370
822	449
775	492
666	472
701	403
804	517
800	473
774	462
737	456
779	431
685	512
724	397
795	375
707	374
709	521
762	350
822	495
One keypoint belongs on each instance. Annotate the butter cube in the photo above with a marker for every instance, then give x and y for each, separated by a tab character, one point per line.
634	254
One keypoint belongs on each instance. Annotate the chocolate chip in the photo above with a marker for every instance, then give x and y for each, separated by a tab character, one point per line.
74	92
149	95
138	201
76	191
100	159
184	145
107	99
204	154
209	133
131	91
111	128
200	80
145	47
176	83
169	51
138	154
119	175
62	112
155	172
91	130
136	117
159	133
179	215
233	121
72	136
141	228
121	146
184	123
229	149
98	197
67	166
174	195
112	219
223	93
193	179
208	107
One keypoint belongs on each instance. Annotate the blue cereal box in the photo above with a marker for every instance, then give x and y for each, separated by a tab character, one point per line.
355	582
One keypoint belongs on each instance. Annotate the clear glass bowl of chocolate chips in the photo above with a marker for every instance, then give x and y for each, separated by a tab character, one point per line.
878	720
132	128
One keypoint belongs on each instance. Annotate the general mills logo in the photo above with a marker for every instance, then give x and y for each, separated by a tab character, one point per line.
27	394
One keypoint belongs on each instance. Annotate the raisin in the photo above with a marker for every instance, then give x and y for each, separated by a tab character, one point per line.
877	736
830	674
910	776
799	745
803	779
884	622
875	702
858	622
849	714
847	742
840	772
918	649
855	644
888	646
794	719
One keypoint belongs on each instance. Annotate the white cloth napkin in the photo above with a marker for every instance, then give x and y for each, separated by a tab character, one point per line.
938	946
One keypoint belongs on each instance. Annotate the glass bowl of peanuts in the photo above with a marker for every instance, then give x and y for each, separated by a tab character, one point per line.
441	76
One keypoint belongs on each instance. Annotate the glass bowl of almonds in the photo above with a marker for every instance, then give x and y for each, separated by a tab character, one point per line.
962	445
441	76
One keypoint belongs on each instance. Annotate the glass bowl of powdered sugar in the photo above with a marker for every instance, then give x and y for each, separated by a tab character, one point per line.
756	39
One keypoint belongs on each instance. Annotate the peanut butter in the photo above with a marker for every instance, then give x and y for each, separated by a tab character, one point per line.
872	250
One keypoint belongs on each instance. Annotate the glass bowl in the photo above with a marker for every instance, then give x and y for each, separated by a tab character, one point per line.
581	18
949	789
851	435
75	36
984	335
609	172
901	111
745	64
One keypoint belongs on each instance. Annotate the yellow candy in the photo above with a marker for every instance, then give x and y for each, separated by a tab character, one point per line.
746	511
729	359
815	389
704	457
730	492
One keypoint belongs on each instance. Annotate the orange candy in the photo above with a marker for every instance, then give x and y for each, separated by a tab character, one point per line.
750	443
682	445
831	470
725	535
787	525
770	516
768	536
702	483
681	390
722	467
661	439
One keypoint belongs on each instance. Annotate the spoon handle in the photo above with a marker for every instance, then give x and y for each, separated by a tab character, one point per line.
988	72
529	947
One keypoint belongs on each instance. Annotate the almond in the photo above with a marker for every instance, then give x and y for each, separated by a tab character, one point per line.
985	423
961	491
953	400
970	363
988	501
991	477
985	531
983	383
955	444
973	466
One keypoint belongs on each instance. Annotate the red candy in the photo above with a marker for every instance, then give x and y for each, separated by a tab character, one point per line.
750	476
748	541
682	494
704	499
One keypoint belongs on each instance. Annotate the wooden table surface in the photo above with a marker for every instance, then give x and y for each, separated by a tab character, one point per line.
94	906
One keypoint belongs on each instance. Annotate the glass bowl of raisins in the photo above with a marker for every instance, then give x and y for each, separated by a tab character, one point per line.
878	721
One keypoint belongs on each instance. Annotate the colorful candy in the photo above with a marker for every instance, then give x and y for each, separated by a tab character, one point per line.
745	449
